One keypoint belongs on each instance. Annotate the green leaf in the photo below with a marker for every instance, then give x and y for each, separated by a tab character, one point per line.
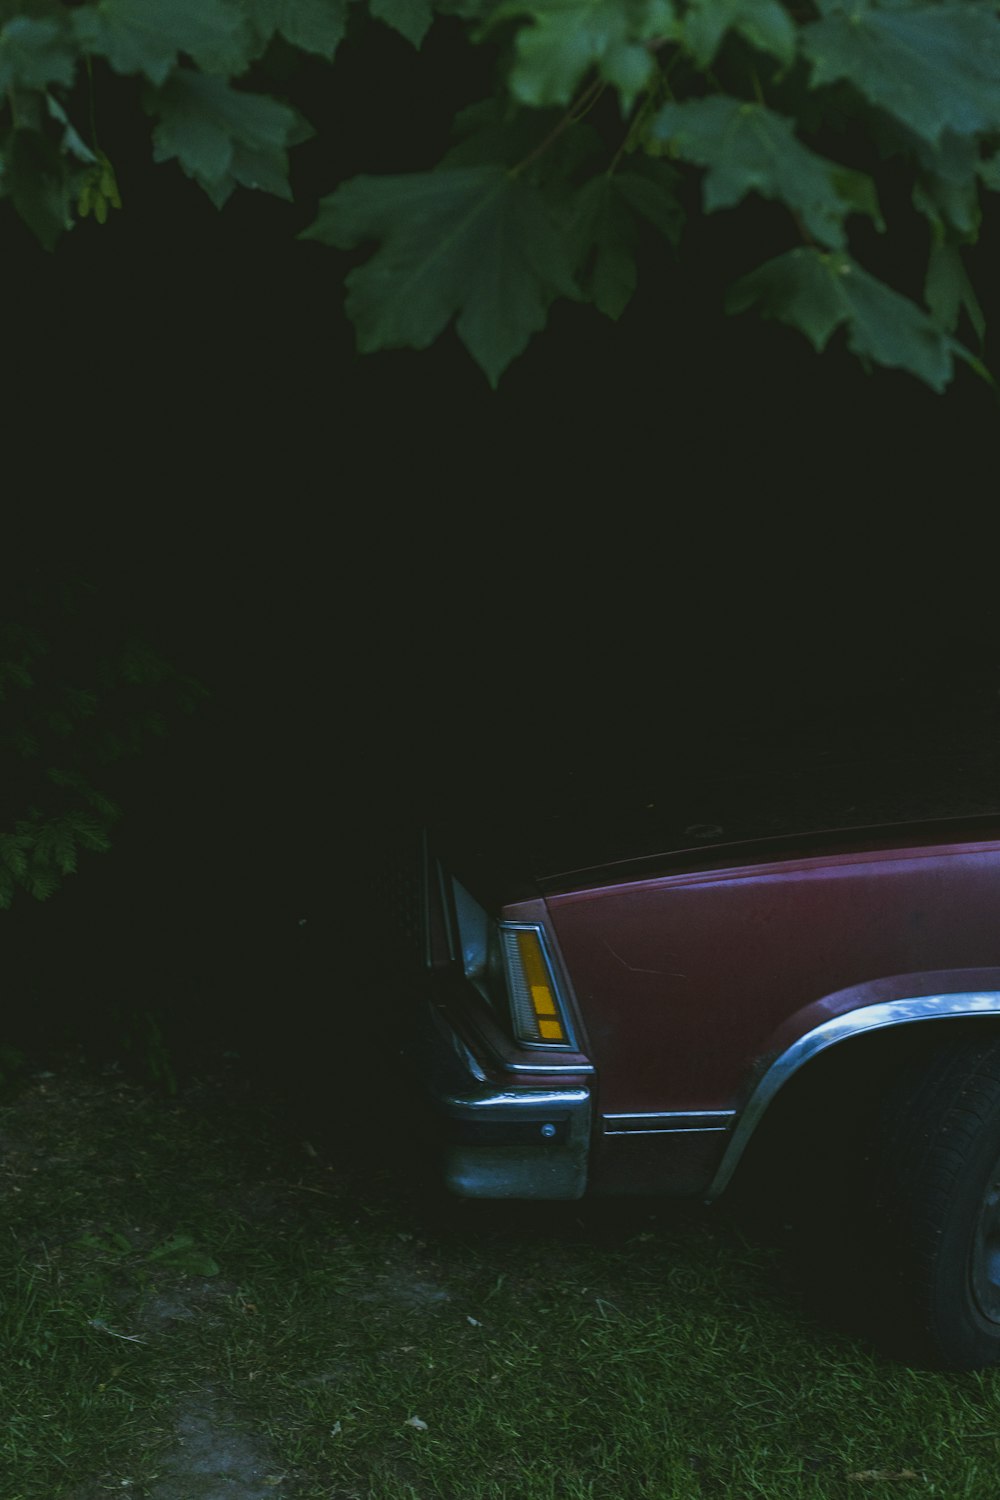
498	134
605	237
55	845
474	243
765	24
411	18
817	293
565	39
858	192
111	1243
13	853
60	723
24	742
34	53
222	136
314	25
934	66
15	672
948	291
180	1252
72	141
748	148
88	831
138	663
946	189
604	232
650	187
948	203
42	883
140	36
954	158
108	810
37	180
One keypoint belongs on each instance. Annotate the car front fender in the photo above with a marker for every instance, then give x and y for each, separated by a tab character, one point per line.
895	1001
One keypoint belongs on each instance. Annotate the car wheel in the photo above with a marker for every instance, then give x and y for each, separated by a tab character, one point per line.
936	1185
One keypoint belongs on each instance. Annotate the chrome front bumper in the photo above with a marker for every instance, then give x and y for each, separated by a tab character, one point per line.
516	1142
523	1143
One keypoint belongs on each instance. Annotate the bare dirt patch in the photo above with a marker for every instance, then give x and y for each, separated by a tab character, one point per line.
213	1457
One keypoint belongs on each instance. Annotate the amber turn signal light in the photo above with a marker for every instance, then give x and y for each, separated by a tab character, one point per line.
534	1001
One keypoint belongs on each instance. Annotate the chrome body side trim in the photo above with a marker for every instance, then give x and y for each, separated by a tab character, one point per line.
668	1122
853	1023
516	1103
546	1069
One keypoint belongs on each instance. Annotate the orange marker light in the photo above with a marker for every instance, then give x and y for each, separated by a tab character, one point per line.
533	1000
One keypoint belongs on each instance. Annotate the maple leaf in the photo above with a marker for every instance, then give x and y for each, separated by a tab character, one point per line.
490	134
314	25
948	291
989	171
36	177
818	293
411	18
476	244
748	148
524	208
138	37
933	66
765	24
605	233
222	136
604	229
946	190
34	53
564	39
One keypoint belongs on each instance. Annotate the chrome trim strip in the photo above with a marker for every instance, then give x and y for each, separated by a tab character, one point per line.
852	1023
524	1101
626	1135
669	1122
543	1069
447	899
468	1059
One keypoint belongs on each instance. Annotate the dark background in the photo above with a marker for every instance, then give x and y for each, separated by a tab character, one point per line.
678	544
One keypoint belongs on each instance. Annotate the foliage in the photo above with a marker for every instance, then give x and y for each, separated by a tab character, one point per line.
78	696
812	112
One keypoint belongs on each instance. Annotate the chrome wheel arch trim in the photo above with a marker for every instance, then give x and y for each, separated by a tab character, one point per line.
878	1017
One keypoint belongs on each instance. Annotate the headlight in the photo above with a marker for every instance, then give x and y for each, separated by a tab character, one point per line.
508	964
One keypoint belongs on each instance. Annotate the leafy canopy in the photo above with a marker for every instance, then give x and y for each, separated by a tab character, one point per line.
609	122
78	698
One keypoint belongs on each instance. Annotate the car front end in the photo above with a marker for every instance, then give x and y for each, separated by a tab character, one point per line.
496	1039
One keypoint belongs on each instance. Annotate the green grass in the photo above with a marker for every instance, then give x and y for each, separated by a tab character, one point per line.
162	1257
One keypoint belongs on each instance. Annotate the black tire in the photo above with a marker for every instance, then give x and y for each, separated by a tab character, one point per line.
936	1187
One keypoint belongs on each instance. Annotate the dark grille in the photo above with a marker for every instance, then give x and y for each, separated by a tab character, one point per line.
394	890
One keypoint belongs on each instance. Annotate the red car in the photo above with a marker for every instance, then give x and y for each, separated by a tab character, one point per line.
629	1025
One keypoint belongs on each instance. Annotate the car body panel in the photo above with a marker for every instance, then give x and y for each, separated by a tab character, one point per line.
908	1000
686	981
696	982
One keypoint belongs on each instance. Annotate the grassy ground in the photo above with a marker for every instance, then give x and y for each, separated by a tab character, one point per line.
199	1302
